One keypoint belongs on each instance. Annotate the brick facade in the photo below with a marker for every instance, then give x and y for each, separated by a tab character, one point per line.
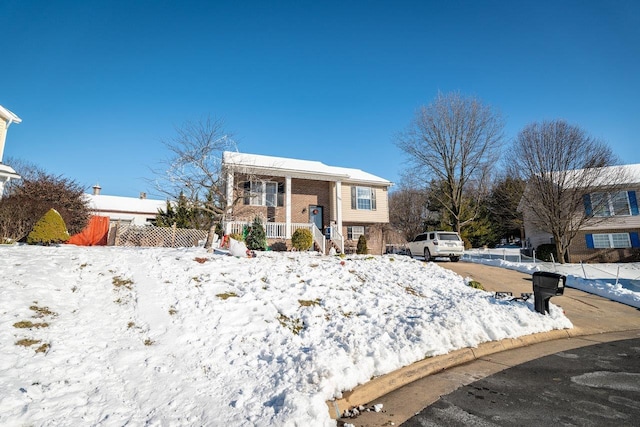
578	251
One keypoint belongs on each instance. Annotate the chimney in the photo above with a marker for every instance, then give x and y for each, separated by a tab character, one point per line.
143	195
96	190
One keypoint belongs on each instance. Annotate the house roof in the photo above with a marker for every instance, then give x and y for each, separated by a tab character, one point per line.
307	169
623	174
9	116
121	204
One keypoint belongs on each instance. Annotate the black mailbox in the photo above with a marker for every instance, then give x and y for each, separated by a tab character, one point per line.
545	286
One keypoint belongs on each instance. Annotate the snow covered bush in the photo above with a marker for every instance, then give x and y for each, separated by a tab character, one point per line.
302	239
49	229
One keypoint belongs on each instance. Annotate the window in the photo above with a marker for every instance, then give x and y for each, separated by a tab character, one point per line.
354	232
264	193
610	204
613	240
363	198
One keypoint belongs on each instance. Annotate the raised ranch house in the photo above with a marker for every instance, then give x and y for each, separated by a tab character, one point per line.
337	204
613	235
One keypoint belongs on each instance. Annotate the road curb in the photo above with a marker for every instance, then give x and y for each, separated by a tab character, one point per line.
384	384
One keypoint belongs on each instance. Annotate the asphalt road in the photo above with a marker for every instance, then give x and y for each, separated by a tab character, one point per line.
597	385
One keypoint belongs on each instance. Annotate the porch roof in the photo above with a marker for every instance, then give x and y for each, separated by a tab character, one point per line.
296	168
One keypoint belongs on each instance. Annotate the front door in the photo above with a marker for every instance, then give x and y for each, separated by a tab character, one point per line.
315	216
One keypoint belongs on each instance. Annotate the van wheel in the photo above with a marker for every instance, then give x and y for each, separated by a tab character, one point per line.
427	254
454	258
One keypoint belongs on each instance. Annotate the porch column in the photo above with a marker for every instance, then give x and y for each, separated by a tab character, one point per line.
339	205
287	206
229	191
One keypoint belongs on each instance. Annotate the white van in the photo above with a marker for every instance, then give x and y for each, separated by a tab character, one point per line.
437	244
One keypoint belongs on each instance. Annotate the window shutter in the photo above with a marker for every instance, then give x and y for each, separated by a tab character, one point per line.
589	238
633	202
247	192
587	205
280	194
635	239
353	197
373	199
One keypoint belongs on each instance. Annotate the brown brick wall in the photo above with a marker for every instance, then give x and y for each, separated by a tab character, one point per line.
373	234
578	251
304	193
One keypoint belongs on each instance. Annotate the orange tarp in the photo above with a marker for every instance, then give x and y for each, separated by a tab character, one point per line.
94	234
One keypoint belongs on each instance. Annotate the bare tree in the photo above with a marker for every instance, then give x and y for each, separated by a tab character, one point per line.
561	163
194	168
407	211
454	140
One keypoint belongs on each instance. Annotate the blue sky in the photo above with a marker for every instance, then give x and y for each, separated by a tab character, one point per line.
99	84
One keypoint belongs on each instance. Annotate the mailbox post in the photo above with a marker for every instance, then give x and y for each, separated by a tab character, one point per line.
545	286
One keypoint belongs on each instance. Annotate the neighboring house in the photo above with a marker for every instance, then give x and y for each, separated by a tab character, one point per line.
125	210
613	235
337	204
6	172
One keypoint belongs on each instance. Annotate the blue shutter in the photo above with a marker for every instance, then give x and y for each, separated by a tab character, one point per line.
589	238
587	204
635	240
633	202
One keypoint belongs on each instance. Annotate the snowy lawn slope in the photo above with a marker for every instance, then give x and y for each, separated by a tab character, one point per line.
152	336
617	282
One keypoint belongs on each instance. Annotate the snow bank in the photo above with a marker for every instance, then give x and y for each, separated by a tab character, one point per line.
152	336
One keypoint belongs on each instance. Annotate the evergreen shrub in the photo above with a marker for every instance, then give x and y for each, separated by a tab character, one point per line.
544	252
49	229
361	249
256	236
302	239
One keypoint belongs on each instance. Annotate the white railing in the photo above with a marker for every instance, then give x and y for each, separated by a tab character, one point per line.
274	230
337	237
278	230
319	238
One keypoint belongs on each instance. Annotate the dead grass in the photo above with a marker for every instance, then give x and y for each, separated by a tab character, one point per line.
43	348
42	311
28	324
294	325
201	260
26	342
309	303
227	295
119	282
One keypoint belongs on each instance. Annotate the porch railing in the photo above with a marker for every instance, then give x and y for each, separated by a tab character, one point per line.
278	230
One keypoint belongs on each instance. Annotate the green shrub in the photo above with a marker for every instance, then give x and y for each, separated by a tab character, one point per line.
237	236
256	236
361	249
302	239
545	251
49	229
476	285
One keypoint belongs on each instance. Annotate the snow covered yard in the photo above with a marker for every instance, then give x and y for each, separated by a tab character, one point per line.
154	336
